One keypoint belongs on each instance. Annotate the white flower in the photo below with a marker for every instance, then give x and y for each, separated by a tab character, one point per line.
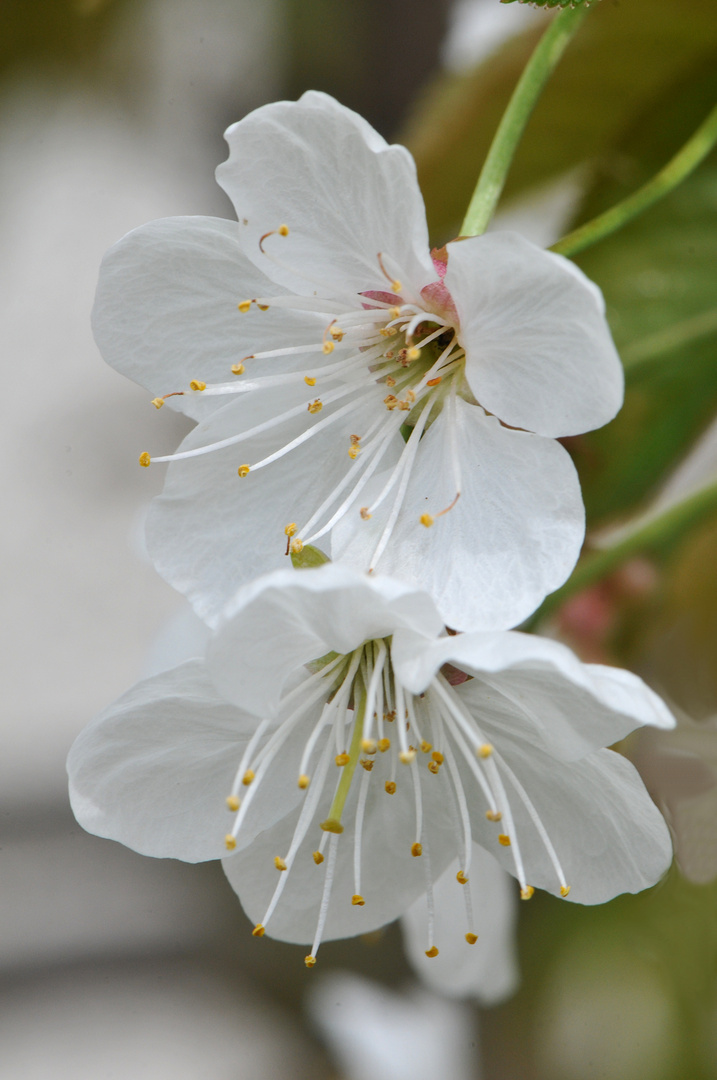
348	329
320	848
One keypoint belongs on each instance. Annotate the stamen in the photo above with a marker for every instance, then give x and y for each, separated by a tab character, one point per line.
237	369
395	283
325	900
158	402
283	230
144	459
360	810
197	384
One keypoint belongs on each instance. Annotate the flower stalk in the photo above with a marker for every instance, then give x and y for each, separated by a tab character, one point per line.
538	70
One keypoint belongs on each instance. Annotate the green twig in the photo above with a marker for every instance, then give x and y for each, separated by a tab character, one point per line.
666	528
682	164
639	355
545	57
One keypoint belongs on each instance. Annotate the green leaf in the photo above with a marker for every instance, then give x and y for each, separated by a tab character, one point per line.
308	558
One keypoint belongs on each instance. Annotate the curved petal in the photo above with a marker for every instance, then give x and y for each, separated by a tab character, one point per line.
154	769
538	348
513	536
343	192
486	970
609	836
166	311
391	878
211	531
286	619
536	688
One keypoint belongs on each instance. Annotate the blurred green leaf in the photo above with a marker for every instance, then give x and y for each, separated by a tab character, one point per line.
308	558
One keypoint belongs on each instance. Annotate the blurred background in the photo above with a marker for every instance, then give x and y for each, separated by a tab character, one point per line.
111	114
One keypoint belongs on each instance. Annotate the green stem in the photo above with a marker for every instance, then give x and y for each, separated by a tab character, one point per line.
545	57
666	528
333	822
639	355
682	164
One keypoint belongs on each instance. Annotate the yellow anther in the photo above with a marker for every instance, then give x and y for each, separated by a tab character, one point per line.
390	401
367	764
247	777
263	307
197	384
437	757
390	787
389	380
296	546
342	759
237	369
434	767
318	858
426	519
158	402
404	406
369	746
309	961
144	459
363	511
357	900
258	931
504	839
283	230
332	825
413	353
337	333
394	312
526	892
433	951
243	470
416	850
396	285
244	305
461	878
434	382
485	750
354	451
493	815
304	781
471	938
564	890
426	746
233	802
279	863
383	745
328	347
315	406
407	756
229	842
309	380
290	529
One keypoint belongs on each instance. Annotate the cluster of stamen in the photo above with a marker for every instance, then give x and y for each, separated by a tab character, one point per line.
400	346
355	700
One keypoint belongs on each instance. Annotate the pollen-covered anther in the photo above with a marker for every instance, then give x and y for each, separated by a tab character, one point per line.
406	757
390	716
296	546
230	842
426	746
471	938
404	406
461	878
233	803
332	825
413	353
416	850
248	777
389	380
237	369
342	759
158	402
367	764
197	384
328	347
390	787
363	512
369	746
290	529
309	380
493	815
434	767
526	892
309	961
504	839
426	519
315	406
357	900
243	470
244	305
279	863
437	757
433	951
304	781
337	333
318	858
564	890
394	312
383	745
354	451
258	931
390	401
485	750
144	459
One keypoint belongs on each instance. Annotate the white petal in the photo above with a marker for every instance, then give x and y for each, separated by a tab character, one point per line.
513	536
609	836
288	618
537	688
538	349
487	970
391	879
154	770
166	311
344	194
211	531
